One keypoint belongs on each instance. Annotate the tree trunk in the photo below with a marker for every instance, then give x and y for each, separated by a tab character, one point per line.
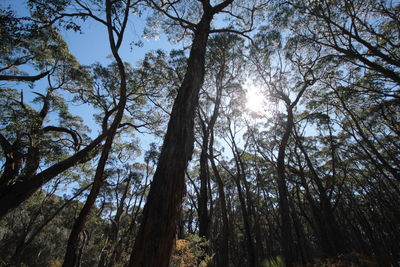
204	219
224	250
286	226
73	253
161	213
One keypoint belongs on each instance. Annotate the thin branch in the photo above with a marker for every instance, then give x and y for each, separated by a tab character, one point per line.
77	138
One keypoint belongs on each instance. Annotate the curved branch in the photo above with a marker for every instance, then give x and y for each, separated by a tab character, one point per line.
241	33
220	7
23	78
184	23
77	138
136	127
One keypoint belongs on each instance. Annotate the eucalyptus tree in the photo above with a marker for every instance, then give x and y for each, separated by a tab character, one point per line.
360	38
227	127
363	159
28	139
23	147
241	180
28	43
27	229
126	202
224	71
286	73
116	19
162	210
360	32
224	67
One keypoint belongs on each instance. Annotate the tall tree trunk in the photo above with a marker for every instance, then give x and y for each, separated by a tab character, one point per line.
286	226
246	212
224	250
161	213
204	218
73	254
284	209
108	255
330	234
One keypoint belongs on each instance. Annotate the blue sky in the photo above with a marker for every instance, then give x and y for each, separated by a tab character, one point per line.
92	45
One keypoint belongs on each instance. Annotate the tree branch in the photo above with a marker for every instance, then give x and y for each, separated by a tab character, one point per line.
77	138
23	78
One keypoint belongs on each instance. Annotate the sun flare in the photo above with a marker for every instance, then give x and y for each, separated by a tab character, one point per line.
255	100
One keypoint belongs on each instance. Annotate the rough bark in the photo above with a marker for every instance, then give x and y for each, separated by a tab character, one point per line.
161	213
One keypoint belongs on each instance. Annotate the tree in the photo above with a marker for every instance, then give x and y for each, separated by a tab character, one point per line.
162	209
115	39
25	143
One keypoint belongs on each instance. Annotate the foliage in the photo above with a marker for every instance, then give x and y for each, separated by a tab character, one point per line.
191	252
277	262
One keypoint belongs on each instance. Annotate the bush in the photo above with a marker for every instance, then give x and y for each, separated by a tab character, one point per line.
191	252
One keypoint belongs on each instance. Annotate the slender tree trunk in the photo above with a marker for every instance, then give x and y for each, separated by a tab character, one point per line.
246	212
108	255
73	253
286	226
224	250
330	234
204	219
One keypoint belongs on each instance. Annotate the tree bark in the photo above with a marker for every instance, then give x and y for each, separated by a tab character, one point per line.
161	213
204	218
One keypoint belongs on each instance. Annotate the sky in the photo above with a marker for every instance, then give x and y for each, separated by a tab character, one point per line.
92	45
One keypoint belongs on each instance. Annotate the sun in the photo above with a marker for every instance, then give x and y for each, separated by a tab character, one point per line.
255	101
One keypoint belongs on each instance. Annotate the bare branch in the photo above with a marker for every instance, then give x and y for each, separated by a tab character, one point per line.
241	33
77	138
184	23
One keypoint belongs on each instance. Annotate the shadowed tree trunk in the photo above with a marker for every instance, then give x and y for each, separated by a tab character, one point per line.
161	213
286	226
204	217
224	250
284	208
162	210
245	203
